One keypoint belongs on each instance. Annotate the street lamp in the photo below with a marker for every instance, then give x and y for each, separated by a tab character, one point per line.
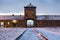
8	23
14	21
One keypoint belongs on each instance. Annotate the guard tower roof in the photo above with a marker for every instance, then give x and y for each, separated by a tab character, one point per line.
30	5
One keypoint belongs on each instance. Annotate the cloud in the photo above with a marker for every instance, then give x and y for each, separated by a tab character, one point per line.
43	6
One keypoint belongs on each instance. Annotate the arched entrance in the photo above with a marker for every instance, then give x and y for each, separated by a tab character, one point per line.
30	23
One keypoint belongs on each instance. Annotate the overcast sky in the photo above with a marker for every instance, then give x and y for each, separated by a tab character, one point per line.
44	7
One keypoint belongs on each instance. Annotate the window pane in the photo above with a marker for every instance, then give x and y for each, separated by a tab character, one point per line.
2	23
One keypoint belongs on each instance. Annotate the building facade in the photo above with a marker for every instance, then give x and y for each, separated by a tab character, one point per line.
30	19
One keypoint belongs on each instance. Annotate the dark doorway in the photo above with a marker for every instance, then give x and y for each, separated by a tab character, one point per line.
14	24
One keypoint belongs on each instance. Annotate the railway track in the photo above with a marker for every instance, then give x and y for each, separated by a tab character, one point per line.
40	35
31	34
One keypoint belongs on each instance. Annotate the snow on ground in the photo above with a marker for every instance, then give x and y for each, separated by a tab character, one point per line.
13	33
10	33
51	35
29	35
54	29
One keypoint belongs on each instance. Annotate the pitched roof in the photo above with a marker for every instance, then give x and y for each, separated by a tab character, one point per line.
38	17
48	17
30	5
10	17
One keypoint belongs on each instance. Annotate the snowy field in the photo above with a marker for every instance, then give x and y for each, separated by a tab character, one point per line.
50	33
54	29
13	33
10	33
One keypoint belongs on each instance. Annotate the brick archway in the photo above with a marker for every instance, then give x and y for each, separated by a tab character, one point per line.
29	23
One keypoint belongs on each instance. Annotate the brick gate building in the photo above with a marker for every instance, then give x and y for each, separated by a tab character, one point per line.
30	14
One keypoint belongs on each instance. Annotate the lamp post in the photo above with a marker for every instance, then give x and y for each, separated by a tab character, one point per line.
14	21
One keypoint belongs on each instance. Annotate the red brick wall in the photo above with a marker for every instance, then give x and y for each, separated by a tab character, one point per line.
48	23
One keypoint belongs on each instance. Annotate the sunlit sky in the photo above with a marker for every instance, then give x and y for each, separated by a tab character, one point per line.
44	7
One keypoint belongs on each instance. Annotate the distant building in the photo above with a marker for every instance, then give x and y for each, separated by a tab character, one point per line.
30	19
